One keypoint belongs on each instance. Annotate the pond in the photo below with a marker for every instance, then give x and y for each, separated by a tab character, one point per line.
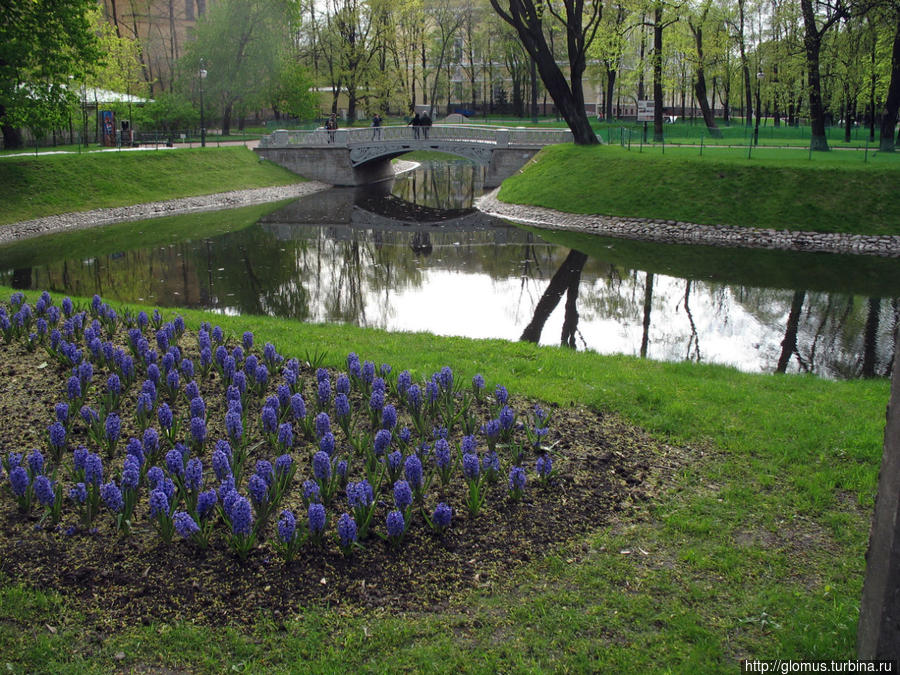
415	256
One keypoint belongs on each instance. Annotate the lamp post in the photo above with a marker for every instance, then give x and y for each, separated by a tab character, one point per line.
759	78
202	118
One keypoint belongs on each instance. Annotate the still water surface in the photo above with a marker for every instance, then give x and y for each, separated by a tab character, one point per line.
415	256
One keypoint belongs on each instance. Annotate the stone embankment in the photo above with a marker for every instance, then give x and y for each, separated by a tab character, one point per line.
677	232
67	222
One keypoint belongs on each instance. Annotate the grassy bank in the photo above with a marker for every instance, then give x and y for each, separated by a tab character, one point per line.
34	187
753	548
778	189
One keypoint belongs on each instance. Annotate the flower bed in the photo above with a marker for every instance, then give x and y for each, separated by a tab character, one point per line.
156	458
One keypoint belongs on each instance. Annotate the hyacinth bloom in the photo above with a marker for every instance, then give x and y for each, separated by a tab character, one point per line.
247	340
198	407
412	469
155	477
240	381
394	464
347	532
396	526
544	467
159	504
342	407
353	365
287	527
477	384
241	516
432	391
490	466
322	467
311	492
471	467
185	525
402	495
404	380
368	372
78	493
507	418
112	497
175	463
316	521
73	388
19	481
164	415
414	398
93	469
283	465
151	443
441	517
285	436
298	407
205	503
323	424
234	425
389	417
193	474
517	481
259	491
62	412
469	445
376	401
342	386
382	442
57	433
221	463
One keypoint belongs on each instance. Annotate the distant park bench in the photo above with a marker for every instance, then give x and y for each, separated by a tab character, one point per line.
151	138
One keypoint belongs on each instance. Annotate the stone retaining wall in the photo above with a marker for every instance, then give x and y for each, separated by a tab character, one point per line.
676	232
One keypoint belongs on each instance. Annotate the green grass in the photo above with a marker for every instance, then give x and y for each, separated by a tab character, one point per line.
756	549
781	189
33	187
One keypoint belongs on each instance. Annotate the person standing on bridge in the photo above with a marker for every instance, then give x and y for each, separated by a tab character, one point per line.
331	126
416	124
376	127
426	124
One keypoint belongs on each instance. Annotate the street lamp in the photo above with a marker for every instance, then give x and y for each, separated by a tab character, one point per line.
759	78
202	118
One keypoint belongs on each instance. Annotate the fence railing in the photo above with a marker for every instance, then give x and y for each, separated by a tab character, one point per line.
462	133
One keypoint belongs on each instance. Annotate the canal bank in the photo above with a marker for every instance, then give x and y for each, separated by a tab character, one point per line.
679	232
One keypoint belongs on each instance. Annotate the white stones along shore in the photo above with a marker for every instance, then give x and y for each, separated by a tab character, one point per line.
676	232
223	200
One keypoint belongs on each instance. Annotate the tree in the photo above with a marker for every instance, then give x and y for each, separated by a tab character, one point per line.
887	141
43	43
579	20
239	43
696	24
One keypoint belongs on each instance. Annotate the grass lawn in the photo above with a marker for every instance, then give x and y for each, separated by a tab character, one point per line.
752	547
780	189
33	187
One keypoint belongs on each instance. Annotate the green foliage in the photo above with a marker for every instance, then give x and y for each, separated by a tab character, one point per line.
292	92
170	111
43	43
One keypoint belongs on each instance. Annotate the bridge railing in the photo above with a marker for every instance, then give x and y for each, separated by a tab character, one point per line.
465	133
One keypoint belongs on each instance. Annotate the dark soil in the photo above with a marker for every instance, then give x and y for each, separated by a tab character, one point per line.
601	466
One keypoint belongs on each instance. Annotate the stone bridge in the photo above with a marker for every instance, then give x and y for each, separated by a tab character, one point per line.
363	155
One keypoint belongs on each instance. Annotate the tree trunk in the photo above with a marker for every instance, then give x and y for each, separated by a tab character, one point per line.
226	120
561	281
870	337
610	86
887	141
745	68
657	74
700	86
812	43
648	306
789	343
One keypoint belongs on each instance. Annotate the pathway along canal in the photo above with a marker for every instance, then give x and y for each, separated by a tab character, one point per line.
415	256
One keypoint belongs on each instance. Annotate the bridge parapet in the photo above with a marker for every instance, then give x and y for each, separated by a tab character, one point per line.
475	134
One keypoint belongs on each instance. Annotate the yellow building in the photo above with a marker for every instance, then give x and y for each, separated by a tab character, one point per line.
161	27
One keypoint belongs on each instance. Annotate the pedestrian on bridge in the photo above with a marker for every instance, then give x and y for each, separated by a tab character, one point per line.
376	127
426	124
331	126
416	124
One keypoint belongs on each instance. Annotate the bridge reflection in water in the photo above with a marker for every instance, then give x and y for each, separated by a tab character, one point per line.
366	257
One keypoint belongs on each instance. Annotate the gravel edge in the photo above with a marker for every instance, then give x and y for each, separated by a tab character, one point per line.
66	222
677	232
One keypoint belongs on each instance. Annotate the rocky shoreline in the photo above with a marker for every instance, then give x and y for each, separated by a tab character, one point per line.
66	222
677	232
